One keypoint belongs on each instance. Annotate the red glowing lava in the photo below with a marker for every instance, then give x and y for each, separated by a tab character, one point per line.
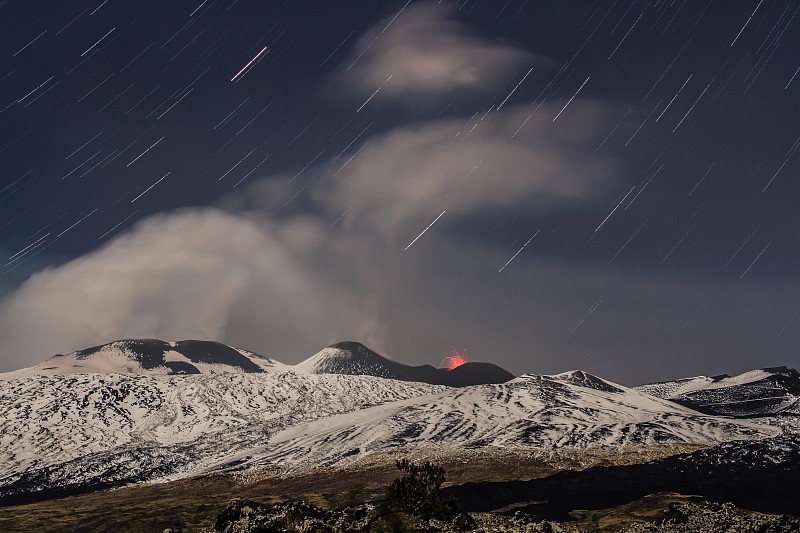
454	360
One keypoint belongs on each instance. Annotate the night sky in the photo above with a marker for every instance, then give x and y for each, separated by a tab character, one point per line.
547	185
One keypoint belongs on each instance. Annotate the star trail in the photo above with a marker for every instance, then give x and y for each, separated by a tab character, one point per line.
257	173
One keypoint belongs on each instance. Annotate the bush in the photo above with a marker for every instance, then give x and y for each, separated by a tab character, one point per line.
417	491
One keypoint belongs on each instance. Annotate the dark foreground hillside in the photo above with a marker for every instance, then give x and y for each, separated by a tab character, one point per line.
192	503
245	516
759	475
571	500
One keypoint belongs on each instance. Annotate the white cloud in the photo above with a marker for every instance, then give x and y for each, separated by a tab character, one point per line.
408	176
429	57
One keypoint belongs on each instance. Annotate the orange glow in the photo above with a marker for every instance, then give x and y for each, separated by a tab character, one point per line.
453	360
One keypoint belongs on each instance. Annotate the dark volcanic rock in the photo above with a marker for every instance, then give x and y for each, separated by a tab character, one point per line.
215	353
150	354
181	367
473	374
245	516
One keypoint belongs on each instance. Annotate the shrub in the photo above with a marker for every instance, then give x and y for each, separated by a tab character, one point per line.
417	491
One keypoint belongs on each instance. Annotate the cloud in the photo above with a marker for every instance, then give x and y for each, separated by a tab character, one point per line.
199	273
429	57
286	287
497	161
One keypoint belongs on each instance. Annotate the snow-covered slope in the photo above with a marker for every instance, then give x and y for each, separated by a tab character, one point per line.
350	358
764	392
96	430
540	411
152	356
120	413
65	433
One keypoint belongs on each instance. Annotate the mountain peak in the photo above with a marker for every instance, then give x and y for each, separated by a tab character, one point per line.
154	356
351	358
350	346
587	380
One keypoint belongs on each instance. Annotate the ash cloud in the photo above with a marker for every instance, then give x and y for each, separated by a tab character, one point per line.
200	273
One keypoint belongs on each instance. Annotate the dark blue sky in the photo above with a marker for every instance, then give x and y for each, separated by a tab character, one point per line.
607	185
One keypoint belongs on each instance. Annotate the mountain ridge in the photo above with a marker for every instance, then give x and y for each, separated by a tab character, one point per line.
154	356
762	392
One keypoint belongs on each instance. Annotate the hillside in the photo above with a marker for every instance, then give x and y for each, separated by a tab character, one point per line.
75	433
763	392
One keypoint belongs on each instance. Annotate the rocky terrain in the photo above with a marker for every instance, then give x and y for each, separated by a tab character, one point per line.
759	475
246	516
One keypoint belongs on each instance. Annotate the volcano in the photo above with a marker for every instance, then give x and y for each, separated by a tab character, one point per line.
353	358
